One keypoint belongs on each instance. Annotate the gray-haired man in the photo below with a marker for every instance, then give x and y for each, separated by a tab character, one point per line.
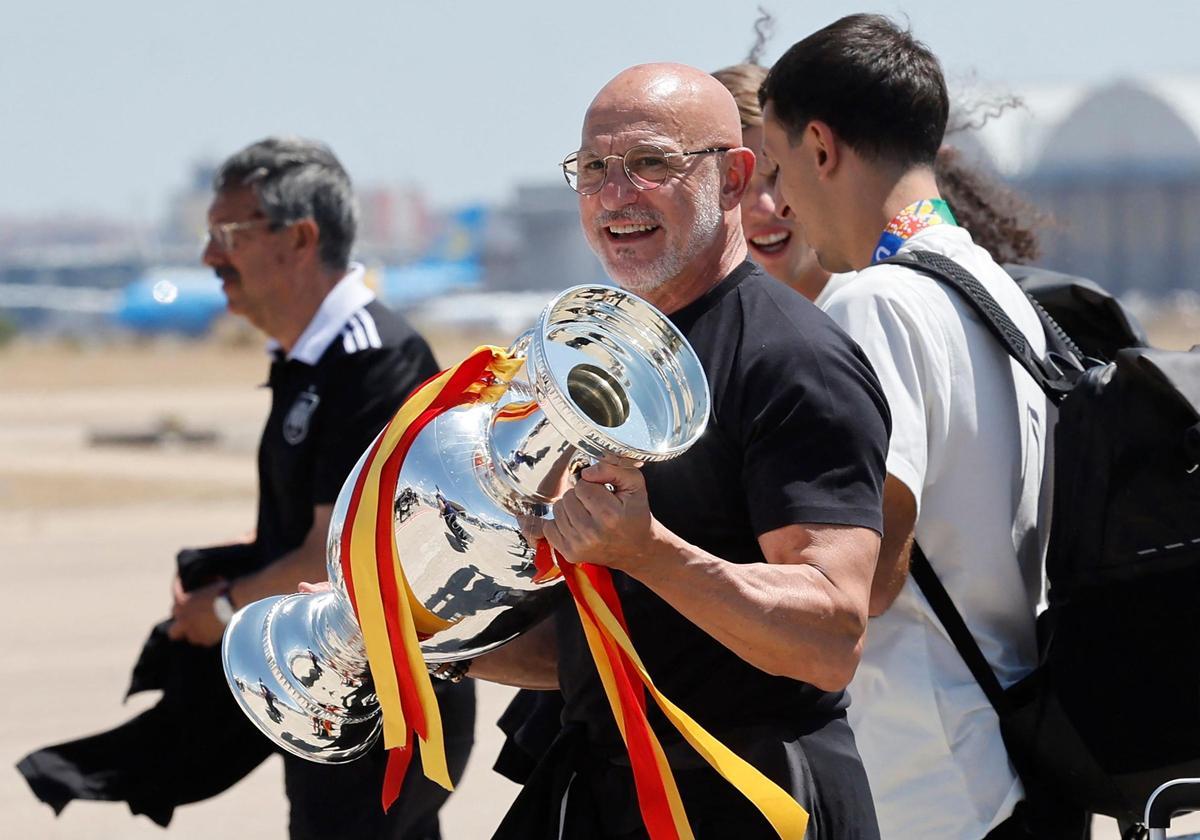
280	230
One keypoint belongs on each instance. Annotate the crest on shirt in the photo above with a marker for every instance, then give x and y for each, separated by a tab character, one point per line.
295	425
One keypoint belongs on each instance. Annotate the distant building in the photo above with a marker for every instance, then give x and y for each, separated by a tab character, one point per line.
1118	166
536	243
395	224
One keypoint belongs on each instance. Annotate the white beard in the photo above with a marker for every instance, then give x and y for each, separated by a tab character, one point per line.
648	276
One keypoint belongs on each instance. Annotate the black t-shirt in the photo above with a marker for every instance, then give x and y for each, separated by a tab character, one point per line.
798	433
324	416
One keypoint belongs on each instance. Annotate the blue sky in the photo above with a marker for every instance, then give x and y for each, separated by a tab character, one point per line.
103	106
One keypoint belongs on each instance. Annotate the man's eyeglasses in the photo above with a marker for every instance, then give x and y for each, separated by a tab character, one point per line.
222	235
647	167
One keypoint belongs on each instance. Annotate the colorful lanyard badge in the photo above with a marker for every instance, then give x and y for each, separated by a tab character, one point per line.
910	221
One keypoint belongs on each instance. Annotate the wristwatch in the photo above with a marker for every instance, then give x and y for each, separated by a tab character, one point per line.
223	606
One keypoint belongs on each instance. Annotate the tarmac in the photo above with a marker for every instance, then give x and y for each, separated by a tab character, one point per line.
99	488
88	536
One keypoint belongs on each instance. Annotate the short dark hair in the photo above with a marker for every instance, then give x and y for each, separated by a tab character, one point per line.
878	88
296	179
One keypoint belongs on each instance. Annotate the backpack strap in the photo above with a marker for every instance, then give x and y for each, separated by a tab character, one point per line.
1047	375
1051	381
943	607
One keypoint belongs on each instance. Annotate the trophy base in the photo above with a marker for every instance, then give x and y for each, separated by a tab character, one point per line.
291	692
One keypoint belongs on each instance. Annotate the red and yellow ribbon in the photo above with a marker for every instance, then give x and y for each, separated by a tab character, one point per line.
620	670
392	618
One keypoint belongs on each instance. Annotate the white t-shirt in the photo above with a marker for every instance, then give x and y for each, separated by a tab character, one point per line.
970	433
835	282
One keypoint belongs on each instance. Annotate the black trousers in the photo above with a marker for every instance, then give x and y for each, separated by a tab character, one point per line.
595	799
331	802
1053	823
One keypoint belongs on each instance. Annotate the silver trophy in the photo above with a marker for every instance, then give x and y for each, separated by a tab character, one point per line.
606	377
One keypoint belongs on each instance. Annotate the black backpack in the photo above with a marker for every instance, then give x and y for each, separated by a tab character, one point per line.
1096	321
1112	709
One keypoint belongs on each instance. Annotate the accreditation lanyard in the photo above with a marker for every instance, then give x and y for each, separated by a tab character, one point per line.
909	222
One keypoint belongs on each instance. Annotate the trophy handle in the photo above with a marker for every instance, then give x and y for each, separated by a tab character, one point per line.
519	349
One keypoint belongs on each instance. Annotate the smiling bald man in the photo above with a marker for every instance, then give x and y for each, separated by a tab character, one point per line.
744	566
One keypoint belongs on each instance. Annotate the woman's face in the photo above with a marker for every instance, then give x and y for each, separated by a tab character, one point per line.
774	243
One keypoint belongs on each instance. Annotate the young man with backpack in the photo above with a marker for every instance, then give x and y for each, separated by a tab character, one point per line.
854	116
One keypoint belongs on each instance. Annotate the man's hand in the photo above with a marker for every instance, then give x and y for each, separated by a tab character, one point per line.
593	524
194	619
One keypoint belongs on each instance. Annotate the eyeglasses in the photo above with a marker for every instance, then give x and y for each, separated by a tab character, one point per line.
646	166
222	235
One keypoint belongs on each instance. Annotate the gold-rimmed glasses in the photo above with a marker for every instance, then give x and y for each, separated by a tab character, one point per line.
647	166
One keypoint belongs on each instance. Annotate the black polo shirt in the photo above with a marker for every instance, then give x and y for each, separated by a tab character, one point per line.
325	412
798	433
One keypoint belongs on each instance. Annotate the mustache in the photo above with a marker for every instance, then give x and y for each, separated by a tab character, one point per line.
629	215
227	273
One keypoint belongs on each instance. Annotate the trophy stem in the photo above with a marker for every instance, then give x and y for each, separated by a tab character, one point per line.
337	638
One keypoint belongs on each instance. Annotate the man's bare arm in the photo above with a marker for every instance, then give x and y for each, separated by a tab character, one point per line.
529	661
802	614
895	552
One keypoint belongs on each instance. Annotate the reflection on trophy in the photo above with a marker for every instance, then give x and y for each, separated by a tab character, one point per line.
606	376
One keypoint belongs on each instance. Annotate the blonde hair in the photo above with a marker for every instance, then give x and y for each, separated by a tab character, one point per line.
743	81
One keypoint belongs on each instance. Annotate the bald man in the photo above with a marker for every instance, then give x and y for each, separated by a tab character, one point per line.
744	566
